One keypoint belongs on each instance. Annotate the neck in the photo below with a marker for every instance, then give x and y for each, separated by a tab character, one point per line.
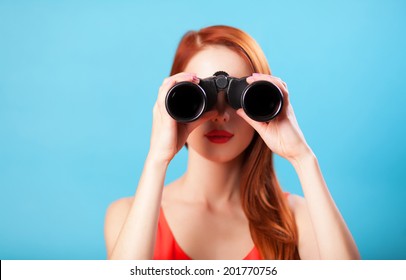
212	183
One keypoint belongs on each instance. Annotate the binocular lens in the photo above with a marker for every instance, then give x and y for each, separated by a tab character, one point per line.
262	101
185	101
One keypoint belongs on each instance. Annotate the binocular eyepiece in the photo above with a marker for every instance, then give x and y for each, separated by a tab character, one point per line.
261	100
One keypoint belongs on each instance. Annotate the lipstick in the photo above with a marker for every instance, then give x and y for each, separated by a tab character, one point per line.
219	136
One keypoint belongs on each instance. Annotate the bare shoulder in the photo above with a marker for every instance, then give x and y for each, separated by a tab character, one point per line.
117	211
115	217
307	245
120	205
170	194
298	206
296	202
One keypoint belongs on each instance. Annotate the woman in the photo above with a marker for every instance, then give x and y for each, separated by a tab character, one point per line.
228	204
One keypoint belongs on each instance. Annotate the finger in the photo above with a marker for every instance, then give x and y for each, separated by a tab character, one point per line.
278	82
260	127
180	77
169	82
184	76
275	80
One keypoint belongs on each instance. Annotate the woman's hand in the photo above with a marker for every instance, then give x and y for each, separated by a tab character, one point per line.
169	136
282	134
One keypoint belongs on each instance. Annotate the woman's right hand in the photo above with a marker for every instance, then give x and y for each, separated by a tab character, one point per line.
169	136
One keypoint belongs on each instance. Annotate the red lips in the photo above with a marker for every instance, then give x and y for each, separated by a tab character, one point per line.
219	136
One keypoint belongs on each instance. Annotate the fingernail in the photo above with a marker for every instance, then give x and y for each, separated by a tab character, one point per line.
255	74
250	79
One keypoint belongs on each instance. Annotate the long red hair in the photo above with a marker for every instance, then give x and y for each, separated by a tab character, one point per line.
272	225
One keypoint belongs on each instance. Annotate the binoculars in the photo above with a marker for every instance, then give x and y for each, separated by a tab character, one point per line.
187	101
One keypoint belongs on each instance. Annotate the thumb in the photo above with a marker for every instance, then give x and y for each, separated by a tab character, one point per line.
260	127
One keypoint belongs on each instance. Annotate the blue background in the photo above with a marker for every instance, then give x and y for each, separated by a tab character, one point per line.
78	81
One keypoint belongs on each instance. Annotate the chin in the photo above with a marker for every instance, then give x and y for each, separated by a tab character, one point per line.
221	158
218	155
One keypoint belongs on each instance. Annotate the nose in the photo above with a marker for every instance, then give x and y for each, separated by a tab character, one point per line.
223	114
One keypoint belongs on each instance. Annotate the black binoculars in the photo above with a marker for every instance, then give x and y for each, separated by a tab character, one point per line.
187	101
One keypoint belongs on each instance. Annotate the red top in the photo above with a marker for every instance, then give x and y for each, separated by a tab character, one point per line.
166	247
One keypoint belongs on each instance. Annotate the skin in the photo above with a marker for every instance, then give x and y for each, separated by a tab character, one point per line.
203	207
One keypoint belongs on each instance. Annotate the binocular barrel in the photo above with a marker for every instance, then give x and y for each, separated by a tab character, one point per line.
261	100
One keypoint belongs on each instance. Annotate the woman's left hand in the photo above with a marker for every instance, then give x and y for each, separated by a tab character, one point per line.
282	134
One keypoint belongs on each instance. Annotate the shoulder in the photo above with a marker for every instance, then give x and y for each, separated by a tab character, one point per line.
115	217
307	244
298	207
117	211
297	203
120	205
171	194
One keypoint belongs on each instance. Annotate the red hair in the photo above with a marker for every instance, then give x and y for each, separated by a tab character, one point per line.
272	225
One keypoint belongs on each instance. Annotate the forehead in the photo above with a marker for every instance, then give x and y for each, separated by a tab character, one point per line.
218	58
